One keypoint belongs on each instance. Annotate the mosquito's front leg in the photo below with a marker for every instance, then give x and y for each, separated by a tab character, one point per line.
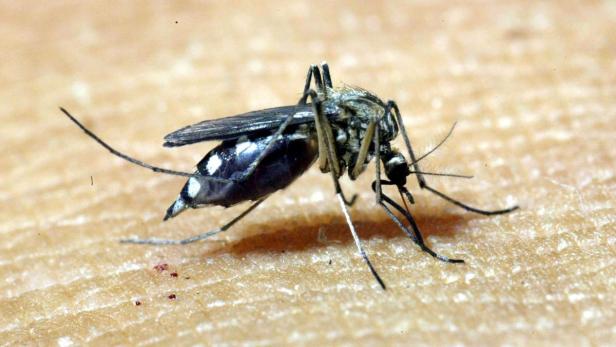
422	181
381	199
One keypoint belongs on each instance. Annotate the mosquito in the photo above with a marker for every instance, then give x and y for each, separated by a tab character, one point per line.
261	152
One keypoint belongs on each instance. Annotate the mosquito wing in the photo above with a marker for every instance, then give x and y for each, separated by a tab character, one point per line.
235	126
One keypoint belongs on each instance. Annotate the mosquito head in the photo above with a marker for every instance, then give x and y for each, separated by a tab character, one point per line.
396	166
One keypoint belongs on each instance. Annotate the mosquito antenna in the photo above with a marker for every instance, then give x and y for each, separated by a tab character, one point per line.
436	147
126	157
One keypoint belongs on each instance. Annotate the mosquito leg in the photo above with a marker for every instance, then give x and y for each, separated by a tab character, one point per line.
422	181
316	73
131	159
327	78
406	193
313	70
364	149
416	234
350	202
302	100
392	105
251	168
329	143
358	244
325	138
361	157
381	199
467	207
196	237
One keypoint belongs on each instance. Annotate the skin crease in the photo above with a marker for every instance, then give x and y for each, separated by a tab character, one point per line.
534	100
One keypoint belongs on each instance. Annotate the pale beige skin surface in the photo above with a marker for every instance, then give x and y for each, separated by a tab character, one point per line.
532	86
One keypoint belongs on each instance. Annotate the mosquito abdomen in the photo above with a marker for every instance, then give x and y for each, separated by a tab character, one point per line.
289	158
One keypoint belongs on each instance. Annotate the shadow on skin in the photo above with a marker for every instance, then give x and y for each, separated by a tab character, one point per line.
274	237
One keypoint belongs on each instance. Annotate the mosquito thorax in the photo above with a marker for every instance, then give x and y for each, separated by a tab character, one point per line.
354	109
358	107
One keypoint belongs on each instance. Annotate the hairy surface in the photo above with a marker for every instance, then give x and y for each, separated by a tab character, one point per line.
531	84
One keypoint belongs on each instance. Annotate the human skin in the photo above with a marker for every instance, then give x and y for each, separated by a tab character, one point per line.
530	84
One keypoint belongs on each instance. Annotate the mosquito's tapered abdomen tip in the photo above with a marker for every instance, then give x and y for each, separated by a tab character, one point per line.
176	208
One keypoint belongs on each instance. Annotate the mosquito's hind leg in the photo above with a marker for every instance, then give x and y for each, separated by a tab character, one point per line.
195	238
327	78
131	159
313	70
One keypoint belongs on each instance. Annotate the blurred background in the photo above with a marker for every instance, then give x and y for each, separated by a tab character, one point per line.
530	83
